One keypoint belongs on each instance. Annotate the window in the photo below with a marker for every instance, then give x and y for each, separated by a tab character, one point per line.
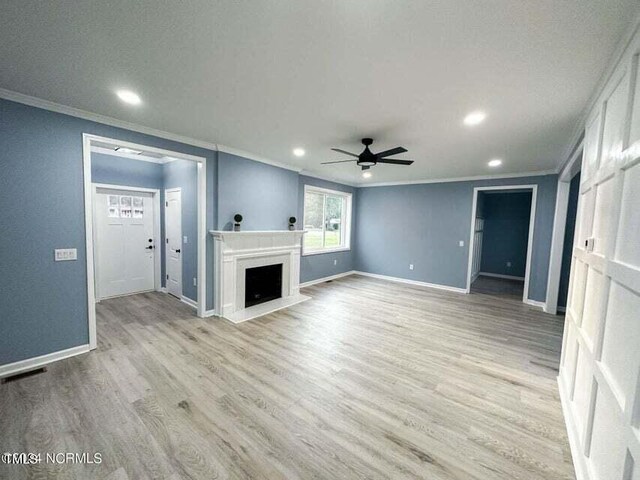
327	220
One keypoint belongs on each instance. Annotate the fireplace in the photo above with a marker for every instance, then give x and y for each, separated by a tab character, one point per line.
262	284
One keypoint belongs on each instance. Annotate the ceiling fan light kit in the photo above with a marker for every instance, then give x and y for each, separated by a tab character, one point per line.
368	159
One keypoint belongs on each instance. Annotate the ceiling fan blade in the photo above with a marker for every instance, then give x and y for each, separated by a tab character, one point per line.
395	162
338	161
345	152
393	151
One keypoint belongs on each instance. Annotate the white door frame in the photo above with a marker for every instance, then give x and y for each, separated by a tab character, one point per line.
87	140
532	222
559	226
157	252
166	256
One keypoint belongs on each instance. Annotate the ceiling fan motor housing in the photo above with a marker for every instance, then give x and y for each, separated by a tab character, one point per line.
366	158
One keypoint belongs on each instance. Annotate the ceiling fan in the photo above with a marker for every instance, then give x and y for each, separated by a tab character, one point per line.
368	159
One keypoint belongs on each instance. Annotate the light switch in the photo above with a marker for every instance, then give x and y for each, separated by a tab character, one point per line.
65	254
411	266
195	281
335	261
185	239
461	243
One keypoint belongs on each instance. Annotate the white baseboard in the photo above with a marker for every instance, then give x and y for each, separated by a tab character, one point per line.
163	290
210	313
535	303
499	275
188	301
37	362
413	282
326	279
579	464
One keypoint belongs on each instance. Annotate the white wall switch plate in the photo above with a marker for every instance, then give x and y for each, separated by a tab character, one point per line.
195	282
65	254
411	266
508	264
185	239
335	262
461	243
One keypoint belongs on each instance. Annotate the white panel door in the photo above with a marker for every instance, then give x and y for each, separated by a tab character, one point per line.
124	244
173	228
600	367
477	248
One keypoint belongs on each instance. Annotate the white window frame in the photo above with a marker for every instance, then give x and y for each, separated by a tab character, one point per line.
346	219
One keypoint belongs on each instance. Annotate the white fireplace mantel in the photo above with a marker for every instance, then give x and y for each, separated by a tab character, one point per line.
234	252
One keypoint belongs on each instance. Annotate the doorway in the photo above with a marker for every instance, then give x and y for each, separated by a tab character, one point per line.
501	240
126	234
132	275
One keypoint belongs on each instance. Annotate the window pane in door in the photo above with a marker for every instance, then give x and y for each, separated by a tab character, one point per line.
333	222
313	220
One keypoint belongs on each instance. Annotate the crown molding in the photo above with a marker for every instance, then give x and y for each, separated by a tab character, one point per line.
252	156
98	118
326	178
460	179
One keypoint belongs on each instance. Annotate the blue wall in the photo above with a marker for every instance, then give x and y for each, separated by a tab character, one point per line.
322	265
114	170
43	304
266	196
506	233
422	224
567	246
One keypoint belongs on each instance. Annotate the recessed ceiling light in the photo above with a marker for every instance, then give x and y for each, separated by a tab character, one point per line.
299	152
127	96
366	174
128	150
496	162
474	118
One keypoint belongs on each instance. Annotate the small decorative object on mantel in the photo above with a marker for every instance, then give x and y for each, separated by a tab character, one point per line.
292	223
237	219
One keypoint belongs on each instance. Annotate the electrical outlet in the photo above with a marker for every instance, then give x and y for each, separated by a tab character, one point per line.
508	264
195	282
335	261
65	254
461	243
411	266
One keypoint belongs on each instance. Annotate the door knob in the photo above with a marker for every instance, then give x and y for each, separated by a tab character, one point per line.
150	247
178	250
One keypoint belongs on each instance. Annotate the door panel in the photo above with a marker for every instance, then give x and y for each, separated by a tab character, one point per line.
123	243
173	215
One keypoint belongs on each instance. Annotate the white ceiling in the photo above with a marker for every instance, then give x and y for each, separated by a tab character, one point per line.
269	75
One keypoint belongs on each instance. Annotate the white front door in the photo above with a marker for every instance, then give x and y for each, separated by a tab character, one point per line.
124	243
173	227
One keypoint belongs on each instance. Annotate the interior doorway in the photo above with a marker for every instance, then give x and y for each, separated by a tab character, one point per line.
125	234
501	239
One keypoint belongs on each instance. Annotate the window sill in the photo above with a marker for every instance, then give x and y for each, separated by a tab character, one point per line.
325	250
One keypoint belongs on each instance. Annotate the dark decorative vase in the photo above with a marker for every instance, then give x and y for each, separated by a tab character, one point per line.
238	219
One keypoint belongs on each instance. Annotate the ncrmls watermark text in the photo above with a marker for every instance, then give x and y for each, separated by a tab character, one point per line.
16	458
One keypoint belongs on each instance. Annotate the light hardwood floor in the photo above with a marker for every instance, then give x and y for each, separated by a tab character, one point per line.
369	379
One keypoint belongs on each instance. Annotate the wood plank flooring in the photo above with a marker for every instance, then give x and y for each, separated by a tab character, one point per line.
369	379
